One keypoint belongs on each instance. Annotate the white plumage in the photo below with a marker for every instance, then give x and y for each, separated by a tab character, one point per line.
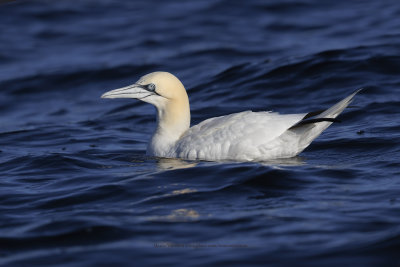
239	136
244	136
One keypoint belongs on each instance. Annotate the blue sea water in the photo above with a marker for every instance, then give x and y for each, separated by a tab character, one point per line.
77	189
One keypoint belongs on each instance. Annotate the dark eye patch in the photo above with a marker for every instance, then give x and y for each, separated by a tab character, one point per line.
151	87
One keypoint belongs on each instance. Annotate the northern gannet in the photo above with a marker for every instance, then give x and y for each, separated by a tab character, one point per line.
244	136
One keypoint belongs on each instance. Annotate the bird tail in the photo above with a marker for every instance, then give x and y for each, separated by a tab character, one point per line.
300	135
328	115
314	123
336	109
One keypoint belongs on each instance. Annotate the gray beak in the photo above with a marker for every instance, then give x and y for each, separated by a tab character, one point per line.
132	91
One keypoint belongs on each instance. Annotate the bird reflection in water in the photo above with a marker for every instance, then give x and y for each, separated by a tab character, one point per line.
174	164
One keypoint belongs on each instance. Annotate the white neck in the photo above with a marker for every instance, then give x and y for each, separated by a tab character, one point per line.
173	119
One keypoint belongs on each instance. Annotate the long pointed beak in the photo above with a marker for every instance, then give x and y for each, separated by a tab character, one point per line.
132	91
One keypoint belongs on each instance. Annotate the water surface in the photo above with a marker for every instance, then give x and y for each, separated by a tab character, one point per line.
76	187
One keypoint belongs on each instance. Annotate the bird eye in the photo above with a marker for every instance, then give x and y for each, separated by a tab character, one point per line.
151	87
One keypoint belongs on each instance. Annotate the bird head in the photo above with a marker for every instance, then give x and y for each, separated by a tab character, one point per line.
157	88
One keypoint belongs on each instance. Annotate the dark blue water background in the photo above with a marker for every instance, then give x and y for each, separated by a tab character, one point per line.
77	189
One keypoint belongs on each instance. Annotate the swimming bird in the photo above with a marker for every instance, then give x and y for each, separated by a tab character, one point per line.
243	136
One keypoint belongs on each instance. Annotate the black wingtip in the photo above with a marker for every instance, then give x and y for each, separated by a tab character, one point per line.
311	121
